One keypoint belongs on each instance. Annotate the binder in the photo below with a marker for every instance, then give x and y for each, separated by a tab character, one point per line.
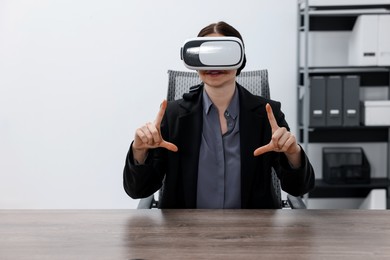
334	97
317	101
351	100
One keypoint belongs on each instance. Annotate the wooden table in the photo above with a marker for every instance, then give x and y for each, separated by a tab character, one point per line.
194	234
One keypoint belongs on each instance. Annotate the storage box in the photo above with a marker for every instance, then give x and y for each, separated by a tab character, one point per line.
375	113
383	40
345	165
363	44
369	44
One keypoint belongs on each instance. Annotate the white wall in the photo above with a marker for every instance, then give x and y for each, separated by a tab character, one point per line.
77	77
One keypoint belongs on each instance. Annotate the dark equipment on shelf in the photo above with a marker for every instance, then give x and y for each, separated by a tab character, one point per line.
345	165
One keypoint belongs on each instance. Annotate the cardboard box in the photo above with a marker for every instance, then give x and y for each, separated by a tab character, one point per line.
375	113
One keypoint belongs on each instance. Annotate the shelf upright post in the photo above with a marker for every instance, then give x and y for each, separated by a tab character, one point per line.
388	170
388	159
298	79
306	96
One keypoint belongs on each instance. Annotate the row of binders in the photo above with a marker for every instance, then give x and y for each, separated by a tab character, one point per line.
334	101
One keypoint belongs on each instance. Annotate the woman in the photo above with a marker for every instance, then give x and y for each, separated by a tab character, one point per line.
216	147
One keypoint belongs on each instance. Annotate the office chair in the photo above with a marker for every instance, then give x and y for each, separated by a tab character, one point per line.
179	82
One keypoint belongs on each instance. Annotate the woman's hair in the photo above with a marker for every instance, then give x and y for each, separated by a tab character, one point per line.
226	30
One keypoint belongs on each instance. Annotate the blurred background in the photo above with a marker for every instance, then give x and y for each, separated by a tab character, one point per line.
78	77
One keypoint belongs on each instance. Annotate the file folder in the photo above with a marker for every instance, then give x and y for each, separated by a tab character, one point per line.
351	101
317	101
334	96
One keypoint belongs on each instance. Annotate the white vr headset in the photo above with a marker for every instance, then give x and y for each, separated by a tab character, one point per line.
213	53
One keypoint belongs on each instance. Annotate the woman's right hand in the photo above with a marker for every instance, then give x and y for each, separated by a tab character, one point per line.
149	136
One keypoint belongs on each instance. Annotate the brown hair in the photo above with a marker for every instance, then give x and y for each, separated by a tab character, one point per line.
226	30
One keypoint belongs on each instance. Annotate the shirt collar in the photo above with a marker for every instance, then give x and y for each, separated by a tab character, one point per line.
207	103
232	108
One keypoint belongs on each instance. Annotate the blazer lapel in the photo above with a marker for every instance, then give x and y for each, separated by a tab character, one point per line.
190	122
252	115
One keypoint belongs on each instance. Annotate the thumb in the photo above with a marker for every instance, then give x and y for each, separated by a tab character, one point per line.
169	146
263	149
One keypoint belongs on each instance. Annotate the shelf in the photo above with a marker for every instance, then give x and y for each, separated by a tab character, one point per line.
346	69
340	8
327	23
369	76
325	190
345	12
339	18
358	134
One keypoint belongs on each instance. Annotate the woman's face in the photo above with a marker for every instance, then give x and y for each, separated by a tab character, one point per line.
217	78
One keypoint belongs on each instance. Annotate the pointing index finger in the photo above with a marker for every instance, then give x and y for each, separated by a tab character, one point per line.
161	113
271	117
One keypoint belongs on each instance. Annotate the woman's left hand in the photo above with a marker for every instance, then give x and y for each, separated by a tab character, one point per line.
281	141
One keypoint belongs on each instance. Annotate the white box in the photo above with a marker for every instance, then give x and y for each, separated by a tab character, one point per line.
384	40
369	44
376	113
363	44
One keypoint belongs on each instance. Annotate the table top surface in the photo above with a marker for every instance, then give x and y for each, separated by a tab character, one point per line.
194	234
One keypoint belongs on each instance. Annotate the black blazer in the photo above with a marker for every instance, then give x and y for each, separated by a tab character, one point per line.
182	125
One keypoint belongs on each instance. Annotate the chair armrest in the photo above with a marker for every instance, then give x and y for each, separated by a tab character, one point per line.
295	202
146	203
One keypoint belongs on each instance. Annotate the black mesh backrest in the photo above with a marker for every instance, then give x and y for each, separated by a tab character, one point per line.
179	82
256	82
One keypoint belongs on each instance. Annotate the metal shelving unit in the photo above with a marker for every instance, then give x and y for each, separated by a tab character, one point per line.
337	18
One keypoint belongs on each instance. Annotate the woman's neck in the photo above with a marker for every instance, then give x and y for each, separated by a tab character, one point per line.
222	95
